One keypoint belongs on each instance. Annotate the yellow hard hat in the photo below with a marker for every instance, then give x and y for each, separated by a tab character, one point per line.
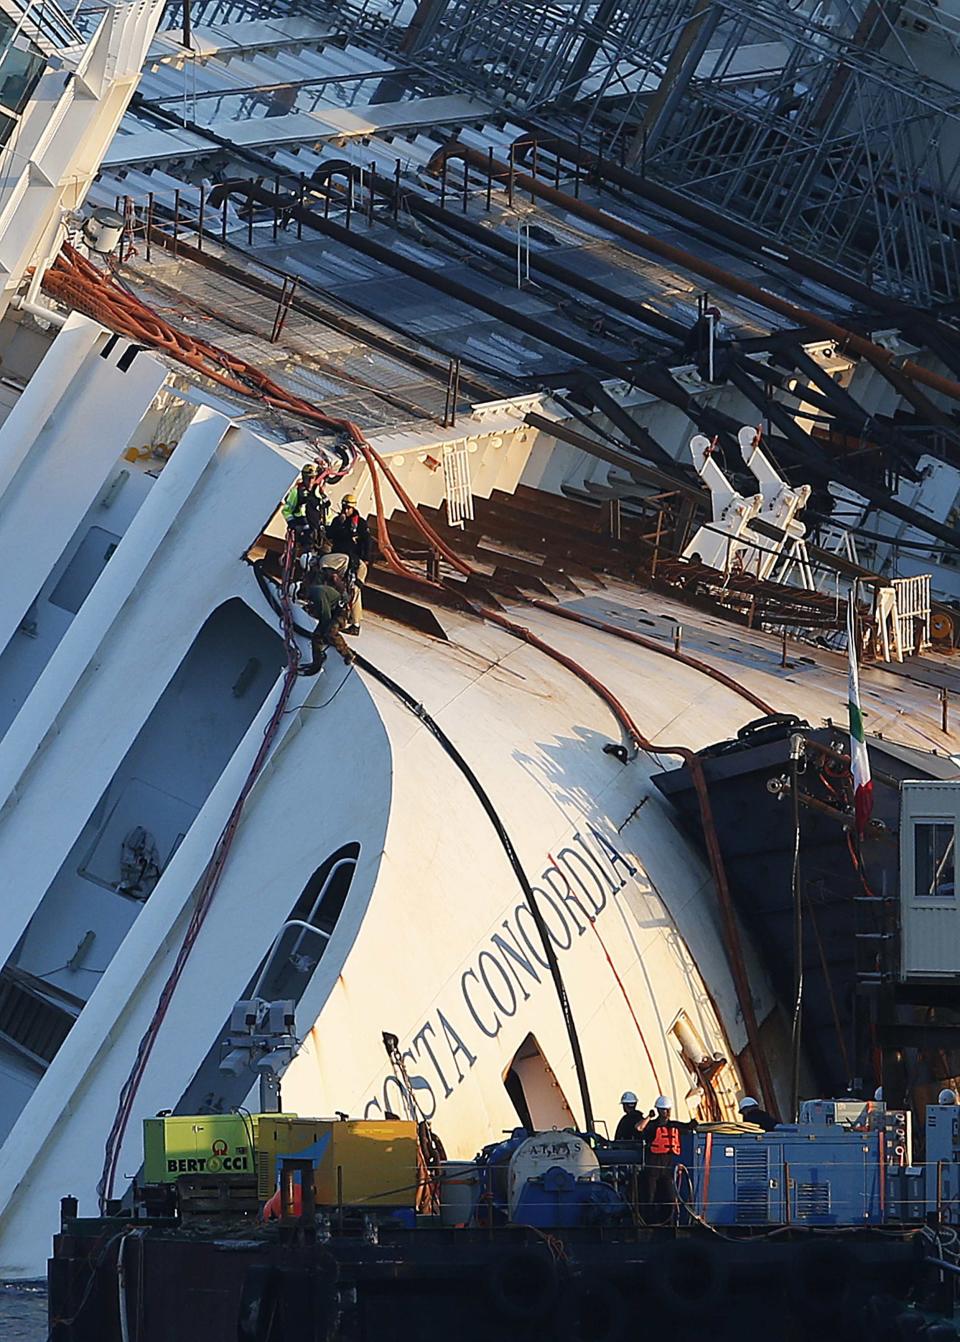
349	498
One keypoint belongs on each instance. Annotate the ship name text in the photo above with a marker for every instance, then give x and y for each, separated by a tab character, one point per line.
573	891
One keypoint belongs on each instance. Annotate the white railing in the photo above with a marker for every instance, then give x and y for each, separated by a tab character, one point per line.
913	611
456	480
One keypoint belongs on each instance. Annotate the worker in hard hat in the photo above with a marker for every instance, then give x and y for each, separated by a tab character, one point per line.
627	1126
750	1112
947	1097
661	1136
349	538
306	507
324	601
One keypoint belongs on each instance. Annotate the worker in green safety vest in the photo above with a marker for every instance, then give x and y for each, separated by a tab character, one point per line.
306	507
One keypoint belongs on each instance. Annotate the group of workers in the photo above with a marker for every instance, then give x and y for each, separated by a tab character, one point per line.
333	556
660	1133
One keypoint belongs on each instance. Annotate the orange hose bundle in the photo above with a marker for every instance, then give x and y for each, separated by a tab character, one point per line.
77	283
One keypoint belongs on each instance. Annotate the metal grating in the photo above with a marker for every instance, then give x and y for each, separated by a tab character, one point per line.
29	1020
811	1201
456	479
752	1185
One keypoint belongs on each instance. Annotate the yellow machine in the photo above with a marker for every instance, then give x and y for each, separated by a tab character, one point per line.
364	1162
198	1144
361	1162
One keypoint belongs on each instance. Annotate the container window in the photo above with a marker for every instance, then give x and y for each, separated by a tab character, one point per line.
934	846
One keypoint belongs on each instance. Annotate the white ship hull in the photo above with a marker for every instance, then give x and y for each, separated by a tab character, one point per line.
434	942
365	880
150	711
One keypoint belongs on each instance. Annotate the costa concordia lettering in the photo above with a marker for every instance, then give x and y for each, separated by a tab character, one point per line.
506	976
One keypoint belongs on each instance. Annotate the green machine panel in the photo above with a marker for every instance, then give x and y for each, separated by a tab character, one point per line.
197	1144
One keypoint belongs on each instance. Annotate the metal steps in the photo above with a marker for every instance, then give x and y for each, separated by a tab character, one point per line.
30	1019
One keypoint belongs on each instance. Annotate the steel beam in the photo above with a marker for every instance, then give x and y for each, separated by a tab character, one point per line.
804	454
766	252
613	224
432	278
486	236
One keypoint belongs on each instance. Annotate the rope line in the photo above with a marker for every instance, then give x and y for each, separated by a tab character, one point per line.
209	883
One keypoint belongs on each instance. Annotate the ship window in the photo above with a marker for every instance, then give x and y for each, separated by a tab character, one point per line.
301	942
284	972
77	580
20	71
934	845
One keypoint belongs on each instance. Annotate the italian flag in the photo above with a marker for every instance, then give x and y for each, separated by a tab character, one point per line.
859	759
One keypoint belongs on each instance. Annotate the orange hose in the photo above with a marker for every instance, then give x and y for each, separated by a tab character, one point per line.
652	645
76	282
694	764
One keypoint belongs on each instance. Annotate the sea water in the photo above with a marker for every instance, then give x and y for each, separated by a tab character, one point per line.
23	1312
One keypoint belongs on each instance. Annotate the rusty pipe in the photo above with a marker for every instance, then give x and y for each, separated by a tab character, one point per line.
929	329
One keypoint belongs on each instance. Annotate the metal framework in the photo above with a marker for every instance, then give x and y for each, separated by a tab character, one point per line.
818	139
813	122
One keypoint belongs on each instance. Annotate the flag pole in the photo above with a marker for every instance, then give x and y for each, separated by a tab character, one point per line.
859	757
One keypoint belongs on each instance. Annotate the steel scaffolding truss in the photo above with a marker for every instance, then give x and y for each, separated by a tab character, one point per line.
815	125
815	138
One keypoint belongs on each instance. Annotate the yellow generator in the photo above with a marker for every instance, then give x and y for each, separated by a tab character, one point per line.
368	1163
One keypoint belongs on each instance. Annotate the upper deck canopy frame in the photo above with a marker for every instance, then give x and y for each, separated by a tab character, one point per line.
819	124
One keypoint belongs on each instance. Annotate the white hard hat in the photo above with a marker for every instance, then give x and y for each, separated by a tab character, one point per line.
628	1097
748	1102
878	1094
663	1102
947	1097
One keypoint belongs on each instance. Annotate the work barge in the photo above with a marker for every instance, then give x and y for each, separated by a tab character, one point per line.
211	1281
821	1224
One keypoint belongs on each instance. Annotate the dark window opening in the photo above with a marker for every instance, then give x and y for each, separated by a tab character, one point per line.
933	852
518	1099
78	578
533	1088
302	941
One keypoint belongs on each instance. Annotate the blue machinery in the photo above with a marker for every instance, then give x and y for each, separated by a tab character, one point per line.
845	1163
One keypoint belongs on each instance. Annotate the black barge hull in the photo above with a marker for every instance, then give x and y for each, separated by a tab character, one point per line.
213	1283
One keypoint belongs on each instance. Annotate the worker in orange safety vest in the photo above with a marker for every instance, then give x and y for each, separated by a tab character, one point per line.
661	1136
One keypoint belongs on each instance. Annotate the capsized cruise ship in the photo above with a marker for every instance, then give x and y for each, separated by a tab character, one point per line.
625	447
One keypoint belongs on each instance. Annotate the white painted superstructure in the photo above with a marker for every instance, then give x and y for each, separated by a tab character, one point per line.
140	664
137	720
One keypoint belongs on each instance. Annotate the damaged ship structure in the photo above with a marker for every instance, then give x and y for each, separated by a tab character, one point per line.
634	333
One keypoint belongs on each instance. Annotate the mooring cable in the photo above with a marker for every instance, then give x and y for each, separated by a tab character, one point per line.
432	726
